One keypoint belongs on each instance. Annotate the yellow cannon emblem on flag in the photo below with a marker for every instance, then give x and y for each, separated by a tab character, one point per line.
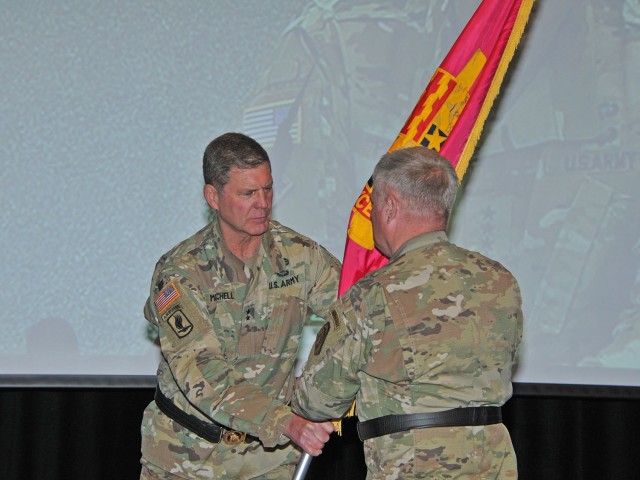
440	106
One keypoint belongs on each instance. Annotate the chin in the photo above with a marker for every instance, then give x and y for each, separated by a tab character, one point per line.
259	229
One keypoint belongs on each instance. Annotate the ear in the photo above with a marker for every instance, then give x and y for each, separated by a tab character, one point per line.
391	206
211	196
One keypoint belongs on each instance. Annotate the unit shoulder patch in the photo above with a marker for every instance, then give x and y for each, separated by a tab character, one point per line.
180	323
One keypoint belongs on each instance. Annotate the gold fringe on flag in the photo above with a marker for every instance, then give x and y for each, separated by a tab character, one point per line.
350	413
494	88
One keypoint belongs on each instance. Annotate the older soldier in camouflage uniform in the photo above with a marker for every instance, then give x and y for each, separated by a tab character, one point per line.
425	344
229	304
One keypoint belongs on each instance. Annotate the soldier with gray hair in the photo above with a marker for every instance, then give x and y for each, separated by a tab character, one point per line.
425	344
229	304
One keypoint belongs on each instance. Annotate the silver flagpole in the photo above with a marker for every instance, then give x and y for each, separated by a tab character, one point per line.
302	467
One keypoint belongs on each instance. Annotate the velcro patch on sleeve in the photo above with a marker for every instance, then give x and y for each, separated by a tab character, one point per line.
181	316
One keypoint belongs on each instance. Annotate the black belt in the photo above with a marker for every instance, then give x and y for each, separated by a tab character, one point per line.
212	432
458	417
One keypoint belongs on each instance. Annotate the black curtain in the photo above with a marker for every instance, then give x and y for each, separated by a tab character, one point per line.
94	434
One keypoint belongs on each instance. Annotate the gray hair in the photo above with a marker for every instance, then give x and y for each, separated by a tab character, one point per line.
425	181
231	150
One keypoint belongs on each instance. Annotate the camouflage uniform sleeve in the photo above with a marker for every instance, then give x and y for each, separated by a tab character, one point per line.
199	367
325	272
329	381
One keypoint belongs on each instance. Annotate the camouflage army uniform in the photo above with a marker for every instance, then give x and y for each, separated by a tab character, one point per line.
434	329
229	336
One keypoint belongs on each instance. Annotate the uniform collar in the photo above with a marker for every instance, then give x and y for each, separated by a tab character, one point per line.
420	241
273	261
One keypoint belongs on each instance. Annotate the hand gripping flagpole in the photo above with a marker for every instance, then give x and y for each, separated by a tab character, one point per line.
302	467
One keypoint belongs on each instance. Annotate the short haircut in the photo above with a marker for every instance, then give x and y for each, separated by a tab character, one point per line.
231	150
425	181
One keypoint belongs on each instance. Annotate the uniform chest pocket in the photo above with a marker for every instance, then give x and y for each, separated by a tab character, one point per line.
223	311
284	327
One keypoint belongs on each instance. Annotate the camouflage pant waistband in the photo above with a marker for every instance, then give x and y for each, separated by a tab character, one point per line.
458	417
210	431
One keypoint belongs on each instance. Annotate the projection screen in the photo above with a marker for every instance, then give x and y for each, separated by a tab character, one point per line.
107	107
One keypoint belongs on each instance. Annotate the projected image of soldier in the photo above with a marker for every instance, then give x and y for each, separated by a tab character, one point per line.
565	154
340	85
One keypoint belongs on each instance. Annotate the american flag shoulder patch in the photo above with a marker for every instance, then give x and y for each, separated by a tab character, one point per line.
166	297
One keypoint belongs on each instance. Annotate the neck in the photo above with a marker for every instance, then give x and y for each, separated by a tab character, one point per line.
246	249
411	228
242	246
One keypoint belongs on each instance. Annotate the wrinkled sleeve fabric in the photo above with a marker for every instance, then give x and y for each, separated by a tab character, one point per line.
198	363
330	382
324	269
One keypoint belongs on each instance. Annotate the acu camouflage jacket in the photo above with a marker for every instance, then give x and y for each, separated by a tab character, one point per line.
436	328
229	336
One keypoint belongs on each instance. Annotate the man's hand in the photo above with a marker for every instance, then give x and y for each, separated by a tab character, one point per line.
310	436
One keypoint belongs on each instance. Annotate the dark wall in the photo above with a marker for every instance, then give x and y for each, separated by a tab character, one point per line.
94	434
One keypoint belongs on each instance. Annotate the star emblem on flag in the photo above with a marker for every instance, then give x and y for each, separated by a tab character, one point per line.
434	138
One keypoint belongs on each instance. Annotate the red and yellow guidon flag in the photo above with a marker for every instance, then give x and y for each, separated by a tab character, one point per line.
449	115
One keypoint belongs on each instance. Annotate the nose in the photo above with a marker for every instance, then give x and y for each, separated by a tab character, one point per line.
263	198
